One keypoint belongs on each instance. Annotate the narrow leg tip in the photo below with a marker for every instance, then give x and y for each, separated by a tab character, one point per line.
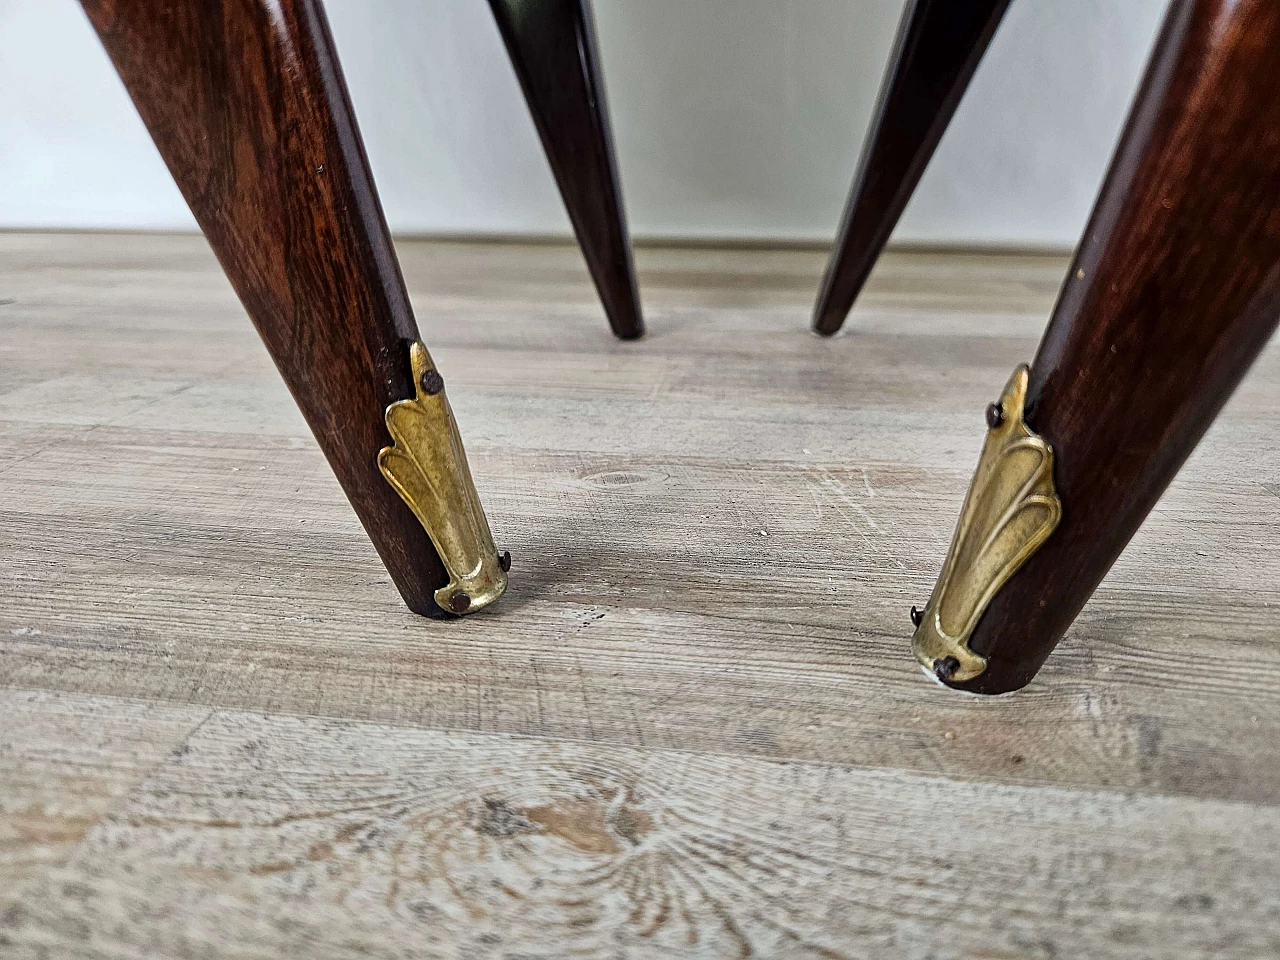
827	319
626	324
826	325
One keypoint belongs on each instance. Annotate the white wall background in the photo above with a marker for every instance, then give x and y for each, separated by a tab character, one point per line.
734	118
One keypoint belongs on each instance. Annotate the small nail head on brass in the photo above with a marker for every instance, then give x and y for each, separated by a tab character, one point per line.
504	561
917	616
459	602
432	383
995	415
946	667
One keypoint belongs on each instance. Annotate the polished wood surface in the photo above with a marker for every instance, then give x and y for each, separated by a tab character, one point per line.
246	102
693	728
938	47
552	45
1174	291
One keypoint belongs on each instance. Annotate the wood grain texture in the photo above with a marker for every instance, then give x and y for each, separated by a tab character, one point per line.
713	614
938	47
552	45
1173	293
297	837
65	763
246	102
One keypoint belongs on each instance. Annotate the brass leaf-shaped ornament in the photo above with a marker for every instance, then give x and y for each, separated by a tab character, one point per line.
427	466
1010	510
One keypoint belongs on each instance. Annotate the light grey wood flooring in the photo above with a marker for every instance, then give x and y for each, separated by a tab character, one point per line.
693	728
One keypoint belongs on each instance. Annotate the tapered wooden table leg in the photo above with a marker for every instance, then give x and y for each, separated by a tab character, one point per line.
246	102
938	47
553	48
1174	291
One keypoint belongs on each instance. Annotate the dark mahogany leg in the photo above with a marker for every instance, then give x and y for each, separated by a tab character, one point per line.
1174	291
247	104
552	45
938	47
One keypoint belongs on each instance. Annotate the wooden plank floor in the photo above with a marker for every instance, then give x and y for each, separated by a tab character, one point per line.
693	728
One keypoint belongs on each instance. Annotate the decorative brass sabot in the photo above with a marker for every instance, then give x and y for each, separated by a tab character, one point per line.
427	466
1010	509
